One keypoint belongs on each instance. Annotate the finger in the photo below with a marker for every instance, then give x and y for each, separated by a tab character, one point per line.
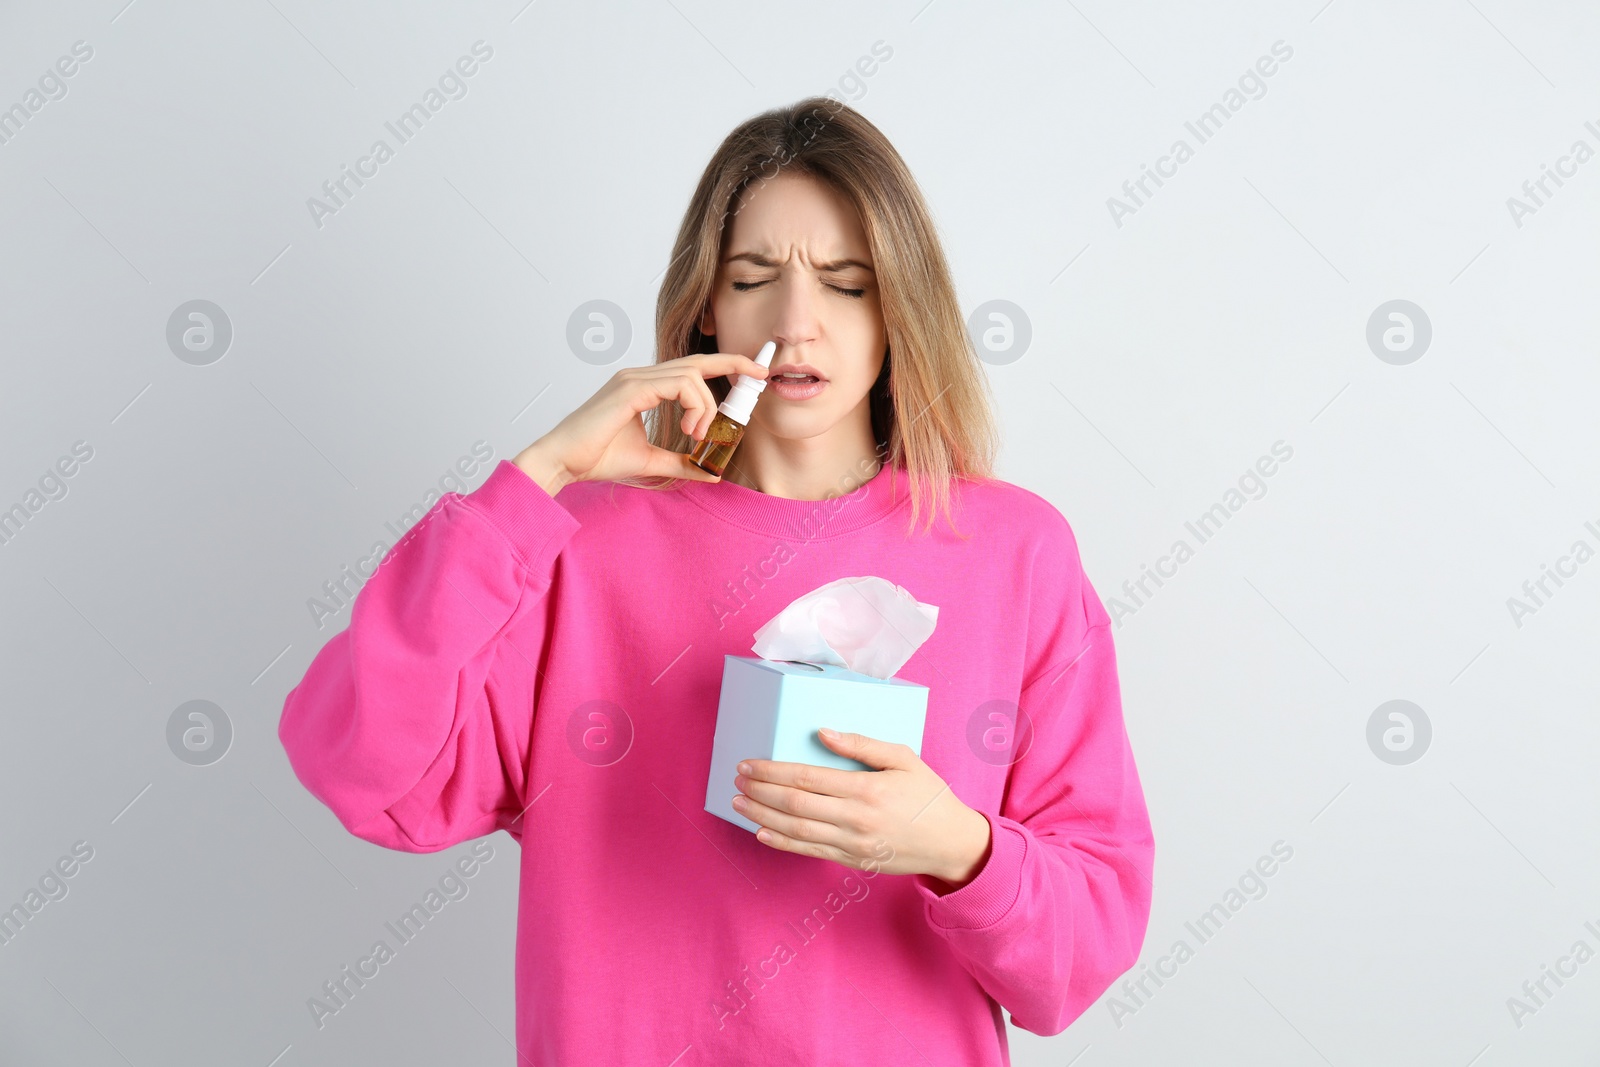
829	781
806	831
733	364
773	839
798	803
694	395
665	463
678	384
709	365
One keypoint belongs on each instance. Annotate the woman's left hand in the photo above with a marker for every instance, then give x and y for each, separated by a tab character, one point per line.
900	817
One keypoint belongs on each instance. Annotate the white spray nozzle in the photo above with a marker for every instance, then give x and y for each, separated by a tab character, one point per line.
742	397
763	357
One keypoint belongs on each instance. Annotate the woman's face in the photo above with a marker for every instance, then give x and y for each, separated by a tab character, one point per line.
797	270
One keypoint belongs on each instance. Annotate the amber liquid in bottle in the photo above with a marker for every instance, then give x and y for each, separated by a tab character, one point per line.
716	448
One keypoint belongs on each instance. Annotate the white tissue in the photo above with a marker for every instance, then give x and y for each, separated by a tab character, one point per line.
867	624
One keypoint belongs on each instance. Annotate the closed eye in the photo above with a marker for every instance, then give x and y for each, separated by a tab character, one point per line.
854	294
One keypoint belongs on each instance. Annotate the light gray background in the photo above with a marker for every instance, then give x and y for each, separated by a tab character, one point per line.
1167	354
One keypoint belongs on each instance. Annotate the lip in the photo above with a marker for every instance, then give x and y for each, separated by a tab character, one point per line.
798	391
796	368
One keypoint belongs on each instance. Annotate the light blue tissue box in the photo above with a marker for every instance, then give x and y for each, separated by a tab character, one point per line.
772	709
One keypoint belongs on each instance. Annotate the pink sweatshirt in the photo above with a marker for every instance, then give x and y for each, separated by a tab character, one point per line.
508	627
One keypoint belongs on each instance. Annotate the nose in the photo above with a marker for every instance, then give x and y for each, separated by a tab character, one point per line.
796	323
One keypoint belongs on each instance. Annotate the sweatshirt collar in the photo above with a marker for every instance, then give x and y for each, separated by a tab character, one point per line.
804	520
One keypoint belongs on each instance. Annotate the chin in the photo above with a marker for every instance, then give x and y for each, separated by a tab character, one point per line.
802	427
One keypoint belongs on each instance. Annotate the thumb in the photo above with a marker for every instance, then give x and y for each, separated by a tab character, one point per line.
880	755
669	464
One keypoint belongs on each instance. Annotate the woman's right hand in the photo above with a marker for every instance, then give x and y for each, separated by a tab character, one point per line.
605	439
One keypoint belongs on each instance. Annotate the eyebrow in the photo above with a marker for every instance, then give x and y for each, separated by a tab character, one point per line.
764	261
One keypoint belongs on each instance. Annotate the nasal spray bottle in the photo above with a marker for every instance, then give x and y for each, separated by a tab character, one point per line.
727	429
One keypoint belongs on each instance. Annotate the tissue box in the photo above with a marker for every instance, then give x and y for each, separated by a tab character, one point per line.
772	709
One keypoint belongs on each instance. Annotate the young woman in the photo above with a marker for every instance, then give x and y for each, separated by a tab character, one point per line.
543	655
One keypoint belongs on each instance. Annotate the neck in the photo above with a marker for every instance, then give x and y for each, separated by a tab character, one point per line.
810	469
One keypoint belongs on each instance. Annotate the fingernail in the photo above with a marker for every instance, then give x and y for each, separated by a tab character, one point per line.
744	768
828	733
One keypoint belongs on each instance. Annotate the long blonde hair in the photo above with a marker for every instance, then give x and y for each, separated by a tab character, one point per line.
931	407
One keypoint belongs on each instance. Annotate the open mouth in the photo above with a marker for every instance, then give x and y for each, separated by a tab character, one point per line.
796	386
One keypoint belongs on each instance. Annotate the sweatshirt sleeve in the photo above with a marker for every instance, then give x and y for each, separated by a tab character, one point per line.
1061	905
413	724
